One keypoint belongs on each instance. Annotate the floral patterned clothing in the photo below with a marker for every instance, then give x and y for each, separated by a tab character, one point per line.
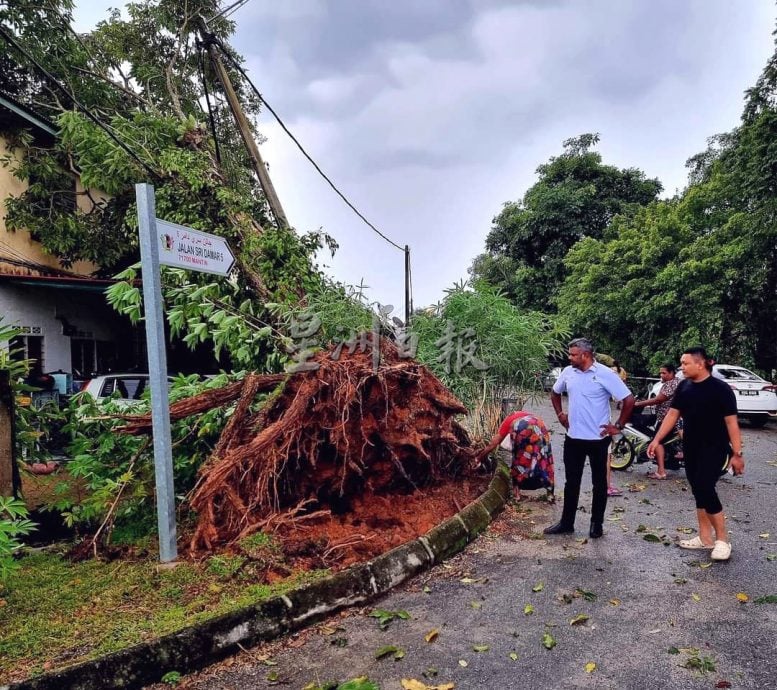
532	453
668	389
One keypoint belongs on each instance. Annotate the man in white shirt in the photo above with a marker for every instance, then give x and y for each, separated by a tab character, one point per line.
590	386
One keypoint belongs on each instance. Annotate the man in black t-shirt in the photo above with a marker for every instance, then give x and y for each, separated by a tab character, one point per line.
709	411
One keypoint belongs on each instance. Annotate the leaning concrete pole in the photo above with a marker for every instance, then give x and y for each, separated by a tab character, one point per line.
244	128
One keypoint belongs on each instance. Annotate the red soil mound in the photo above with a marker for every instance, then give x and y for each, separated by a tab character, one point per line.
348	439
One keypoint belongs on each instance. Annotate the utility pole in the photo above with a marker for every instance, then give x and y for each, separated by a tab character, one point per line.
407	287
243	126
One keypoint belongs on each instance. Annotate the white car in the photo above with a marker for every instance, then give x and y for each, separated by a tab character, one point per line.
753	402
130	387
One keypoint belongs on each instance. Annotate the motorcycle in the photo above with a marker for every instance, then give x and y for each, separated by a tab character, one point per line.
632	444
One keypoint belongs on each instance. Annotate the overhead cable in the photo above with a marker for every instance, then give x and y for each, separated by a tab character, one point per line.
239	68
229	10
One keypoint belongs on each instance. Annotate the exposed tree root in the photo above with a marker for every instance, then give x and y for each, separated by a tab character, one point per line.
323	438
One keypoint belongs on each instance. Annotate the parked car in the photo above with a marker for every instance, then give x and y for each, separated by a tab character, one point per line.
753	402
128	386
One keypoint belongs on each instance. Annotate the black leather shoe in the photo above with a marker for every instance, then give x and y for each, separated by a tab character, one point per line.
559	528
596	530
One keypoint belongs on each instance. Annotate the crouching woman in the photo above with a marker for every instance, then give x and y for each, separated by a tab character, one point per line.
528	440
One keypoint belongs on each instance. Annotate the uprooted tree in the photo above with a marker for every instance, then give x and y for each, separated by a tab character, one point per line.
324	436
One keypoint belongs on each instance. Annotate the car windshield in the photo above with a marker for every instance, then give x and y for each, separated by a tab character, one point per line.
738	374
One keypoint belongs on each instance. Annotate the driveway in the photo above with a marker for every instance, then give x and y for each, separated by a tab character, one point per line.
657	617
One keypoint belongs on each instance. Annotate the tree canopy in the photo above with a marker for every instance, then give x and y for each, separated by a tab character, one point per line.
576	197
701	268
647	277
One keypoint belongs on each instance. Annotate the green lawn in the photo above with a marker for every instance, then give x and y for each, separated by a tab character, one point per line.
54	613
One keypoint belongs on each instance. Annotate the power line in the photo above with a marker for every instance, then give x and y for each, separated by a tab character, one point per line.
10	39
237	66
229	10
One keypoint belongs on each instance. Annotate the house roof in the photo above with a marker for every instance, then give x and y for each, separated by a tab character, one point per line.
61	282
11	111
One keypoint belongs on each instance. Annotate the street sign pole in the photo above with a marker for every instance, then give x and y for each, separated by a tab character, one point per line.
157	370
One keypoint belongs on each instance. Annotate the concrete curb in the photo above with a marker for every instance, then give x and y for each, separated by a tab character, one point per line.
195	647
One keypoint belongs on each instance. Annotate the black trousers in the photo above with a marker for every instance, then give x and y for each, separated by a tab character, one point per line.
575	453
702	469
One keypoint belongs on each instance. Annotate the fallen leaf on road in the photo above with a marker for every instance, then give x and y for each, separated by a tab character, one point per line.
771	556
588	596
704	566
741	596
463	663
673	650
476	604
432	635
680	580
328	630
590	667
722	684
427	589
548	641
765	535
538	587
412	684
579	619
615	602
513	656
480	647
695	597
528	610
390	650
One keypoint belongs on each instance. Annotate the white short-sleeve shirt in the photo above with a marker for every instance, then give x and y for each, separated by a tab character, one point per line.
589	393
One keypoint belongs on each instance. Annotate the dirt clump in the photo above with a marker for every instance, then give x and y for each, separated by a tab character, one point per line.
340	461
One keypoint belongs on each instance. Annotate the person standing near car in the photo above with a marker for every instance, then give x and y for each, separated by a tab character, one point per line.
663	401
708	409
589	385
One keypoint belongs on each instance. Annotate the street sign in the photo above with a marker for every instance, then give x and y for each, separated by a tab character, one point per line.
183	247
172	245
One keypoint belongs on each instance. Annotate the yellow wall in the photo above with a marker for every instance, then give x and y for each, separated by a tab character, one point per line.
20	245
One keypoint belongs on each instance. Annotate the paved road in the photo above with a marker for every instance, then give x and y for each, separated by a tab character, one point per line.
649	598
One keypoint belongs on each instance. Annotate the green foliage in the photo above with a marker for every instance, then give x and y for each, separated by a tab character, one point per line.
142	74
515	344
701	268
576	197
108	468
13	524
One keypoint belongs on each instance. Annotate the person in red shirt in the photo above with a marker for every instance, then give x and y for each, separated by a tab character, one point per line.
528	439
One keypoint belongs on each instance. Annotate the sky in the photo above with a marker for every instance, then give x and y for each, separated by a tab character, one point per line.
431	114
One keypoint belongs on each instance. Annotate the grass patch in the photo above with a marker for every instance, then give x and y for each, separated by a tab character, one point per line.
54	613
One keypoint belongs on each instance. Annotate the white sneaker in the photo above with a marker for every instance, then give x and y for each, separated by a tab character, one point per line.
721	551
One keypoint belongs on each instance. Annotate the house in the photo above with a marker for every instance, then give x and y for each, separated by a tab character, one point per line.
66	324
